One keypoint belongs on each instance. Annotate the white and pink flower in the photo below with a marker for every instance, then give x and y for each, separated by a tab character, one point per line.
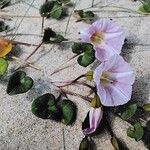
95	116
114	79
106	37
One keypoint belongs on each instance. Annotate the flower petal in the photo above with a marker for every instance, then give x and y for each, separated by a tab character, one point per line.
120	72
95	116
104	52
116	96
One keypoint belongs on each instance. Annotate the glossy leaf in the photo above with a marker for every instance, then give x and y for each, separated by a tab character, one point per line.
5	47
87	53
87	58
3	66
19	83
79	47
45	107
57	10
136	131
68	111
129	111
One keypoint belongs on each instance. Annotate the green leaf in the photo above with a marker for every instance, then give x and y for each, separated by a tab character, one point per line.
3	66
45	107
146	107
79	47
136	131
68	111
57	10
19	83
145	8
3	27
48	33
57	39
87	16
129	111
88	55
87	58
46	8
87	144
50	36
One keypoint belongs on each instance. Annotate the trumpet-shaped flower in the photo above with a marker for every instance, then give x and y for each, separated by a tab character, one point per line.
114	79
94	118
106	37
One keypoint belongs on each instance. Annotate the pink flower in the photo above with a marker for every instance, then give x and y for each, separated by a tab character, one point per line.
106	37
94	118
114	79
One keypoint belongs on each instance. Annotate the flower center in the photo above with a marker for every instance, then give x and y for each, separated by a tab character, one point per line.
105	78
97	38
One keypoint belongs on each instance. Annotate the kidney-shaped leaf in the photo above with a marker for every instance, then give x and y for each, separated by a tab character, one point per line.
19	83
68	111
45	107
87	58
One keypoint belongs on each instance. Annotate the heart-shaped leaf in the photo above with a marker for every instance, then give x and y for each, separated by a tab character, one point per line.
87	51
5	47
68	111
3	66
79	47
19	83
129	111
45	107
57	10
52	9
136	131
87	58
